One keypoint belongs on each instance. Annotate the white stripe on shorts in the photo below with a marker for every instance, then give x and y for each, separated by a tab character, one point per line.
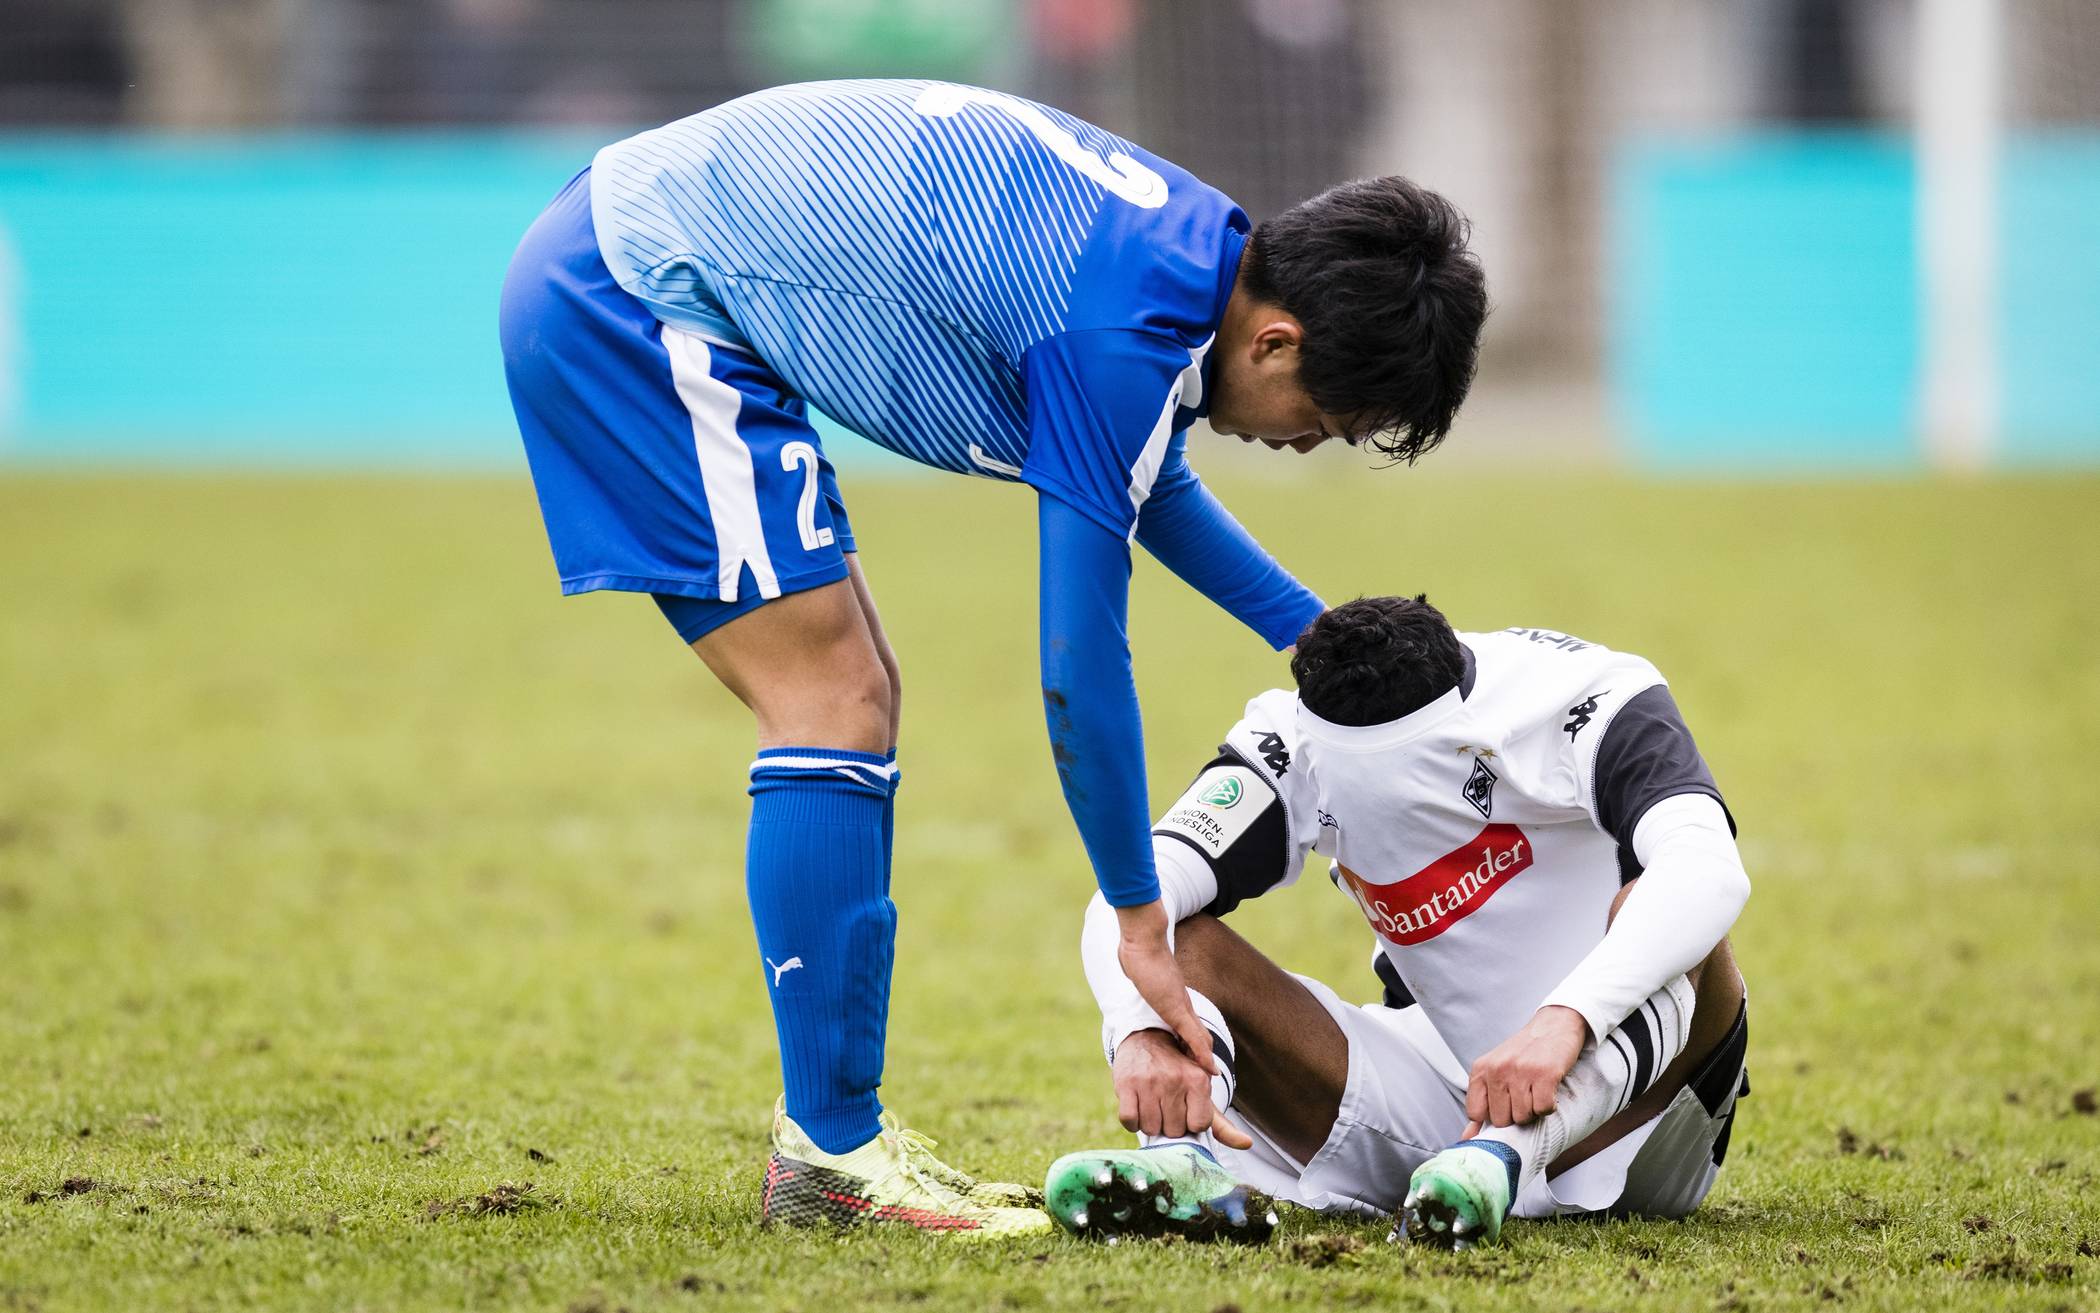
726	475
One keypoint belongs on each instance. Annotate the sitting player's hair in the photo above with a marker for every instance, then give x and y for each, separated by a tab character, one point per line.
1376	659
1378	274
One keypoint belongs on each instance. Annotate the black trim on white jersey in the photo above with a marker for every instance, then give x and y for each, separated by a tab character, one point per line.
1397	994
1647	754
1468	670
1259	859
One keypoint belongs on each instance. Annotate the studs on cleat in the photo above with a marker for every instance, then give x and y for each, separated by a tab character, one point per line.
1104	1178
1079	1219
1140	1184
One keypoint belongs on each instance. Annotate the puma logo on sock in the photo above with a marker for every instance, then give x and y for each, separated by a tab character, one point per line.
782	969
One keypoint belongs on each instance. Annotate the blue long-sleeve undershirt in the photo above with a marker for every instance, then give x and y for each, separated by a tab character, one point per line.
1090	700
1191	533
1089	696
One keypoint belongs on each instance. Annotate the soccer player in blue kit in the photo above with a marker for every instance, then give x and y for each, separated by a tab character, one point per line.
990	287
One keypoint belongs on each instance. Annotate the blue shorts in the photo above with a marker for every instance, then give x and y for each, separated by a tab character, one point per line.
664	463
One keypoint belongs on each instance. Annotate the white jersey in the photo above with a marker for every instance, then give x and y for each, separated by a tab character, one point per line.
1483	836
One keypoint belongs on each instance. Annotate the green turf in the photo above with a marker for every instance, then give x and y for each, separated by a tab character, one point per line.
347	875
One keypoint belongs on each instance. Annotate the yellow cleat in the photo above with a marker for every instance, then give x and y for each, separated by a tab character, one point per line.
882	1181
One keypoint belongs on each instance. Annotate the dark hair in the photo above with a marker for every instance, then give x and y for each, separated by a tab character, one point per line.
1378	273
1376	659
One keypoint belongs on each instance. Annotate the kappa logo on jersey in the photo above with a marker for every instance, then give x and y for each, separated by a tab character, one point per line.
1273	754
1446	891
1480	788
1582	711
1225	793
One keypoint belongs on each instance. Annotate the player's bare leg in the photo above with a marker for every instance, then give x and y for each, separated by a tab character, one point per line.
1291	1059
809	668
1290	1064
821	683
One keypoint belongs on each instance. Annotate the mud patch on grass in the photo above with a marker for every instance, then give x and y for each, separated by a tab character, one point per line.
2008	1265
1849	1143
498	1200
1323	1250
72	1185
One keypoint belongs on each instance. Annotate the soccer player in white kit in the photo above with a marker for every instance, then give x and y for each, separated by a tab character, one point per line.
1527	825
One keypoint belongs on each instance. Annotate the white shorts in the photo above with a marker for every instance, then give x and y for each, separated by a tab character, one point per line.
1406	1098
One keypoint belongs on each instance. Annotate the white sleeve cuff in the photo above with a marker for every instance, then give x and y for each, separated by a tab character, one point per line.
1186	887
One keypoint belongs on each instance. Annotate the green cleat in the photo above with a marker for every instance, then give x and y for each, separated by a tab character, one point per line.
1459	1197
1175	1189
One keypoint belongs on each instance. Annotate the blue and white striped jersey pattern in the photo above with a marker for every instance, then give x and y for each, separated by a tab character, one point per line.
974	281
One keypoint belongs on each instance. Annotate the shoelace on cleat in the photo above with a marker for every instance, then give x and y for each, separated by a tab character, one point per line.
905	1164
919	1147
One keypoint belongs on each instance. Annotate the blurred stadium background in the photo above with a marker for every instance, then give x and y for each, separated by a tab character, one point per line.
1793	235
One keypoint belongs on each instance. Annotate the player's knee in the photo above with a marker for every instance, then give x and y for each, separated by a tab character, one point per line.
858	691
843	700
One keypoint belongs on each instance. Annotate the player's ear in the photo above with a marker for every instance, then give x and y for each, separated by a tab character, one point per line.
1276	342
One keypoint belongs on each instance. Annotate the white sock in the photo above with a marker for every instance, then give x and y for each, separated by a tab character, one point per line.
1605	1079
1222	1085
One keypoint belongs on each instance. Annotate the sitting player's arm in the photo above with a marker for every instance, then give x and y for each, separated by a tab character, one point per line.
1228	838
1189	531
1652	791
1648	787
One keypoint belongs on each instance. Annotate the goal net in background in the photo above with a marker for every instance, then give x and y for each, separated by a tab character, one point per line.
1760	234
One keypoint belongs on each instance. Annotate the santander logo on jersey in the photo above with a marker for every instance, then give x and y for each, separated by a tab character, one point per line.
1452	887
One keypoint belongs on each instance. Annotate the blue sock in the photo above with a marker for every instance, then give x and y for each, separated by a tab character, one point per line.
815	871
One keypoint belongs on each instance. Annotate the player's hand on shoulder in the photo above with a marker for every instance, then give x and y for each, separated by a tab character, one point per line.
1161	1091
1514	1082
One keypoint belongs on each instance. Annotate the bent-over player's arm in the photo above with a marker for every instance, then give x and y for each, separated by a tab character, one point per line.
1101	405
1651	790
1102	408
1188	530
1234	834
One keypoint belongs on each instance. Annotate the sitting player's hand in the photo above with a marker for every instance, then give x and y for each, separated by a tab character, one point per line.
1149	964
1160	1091
1514	1082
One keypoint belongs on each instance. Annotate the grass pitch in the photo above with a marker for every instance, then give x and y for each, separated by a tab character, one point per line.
372	930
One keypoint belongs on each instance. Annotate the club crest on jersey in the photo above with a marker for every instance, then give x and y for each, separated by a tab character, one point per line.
1480	788
1449	889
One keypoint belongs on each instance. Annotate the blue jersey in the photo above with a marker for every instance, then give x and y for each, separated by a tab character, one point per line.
977	282
972	280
